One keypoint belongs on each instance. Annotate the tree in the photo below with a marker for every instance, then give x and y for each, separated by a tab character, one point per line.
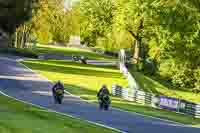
166	31
54	23
13	13
75	18
179	35
49	23
96	20
24	30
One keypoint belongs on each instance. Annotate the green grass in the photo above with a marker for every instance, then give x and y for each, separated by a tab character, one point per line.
56	50
86	80
17	117
148	84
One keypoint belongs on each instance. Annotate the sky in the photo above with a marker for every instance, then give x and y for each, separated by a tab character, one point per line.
68	3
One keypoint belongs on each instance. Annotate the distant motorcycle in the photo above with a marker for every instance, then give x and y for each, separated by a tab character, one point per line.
81	59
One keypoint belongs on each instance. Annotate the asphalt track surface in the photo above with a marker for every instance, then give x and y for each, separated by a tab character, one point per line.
21	83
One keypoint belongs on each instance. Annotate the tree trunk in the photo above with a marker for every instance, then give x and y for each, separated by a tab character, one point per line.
136	52
16	39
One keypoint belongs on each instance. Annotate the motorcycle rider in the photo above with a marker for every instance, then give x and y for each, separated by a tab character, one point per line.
58	92
104	98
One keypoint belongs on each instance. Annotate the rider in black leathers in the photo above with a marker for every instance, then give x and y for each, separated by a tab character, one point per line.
58	87
104	98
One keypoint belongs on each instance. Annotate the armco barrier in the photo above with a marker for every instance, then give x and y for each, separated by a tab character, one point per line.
148	98
197	111
163	102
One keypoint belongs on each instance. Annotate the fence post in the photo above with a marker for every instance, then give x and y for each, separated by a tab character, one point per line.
114	90
197	111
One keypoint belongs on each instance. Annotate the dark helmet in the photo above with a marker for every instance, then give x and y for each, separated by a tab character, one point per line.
59	81
104	86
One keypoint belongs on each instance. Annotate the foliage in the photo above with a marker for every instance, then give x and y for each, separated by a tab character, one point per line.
75	18
165	31
197	83
13	13
179	40
96	20
23	34
52	22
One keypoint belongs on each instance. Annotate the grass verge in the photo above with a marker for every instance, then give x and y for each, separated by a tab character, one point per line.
17	117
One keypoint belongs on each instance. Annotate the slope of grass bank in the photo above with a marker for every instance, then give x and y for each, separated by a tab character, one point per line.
66	51
85	81
54	50
17	117
148	84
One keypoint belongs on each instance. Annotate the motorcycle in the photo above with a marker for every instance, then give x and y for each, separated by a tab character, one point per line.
104	102
59	96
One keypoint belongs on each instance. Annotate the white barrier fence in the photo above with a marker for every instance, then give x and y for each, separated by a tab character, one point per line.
164	102
131	80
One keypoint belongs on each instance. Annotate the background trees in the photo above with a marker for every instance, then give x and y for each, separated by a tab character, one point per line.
96	20
12	14
50	22
165	31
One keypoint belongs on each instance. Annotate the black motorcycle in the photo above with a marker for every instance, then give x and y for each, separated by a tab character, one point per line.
104	102
59	96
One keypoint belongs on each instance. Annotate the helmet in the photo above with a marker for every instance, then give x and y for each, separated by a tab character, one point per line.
104	86
59	82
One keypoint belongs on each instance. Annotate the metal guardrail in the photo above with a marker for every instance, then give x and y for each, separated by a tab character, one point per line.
149	99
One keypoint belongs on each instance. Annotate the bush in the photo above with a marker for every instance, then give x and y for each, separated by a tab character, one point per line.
20	52
129	54
183	77
197	78
150	67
